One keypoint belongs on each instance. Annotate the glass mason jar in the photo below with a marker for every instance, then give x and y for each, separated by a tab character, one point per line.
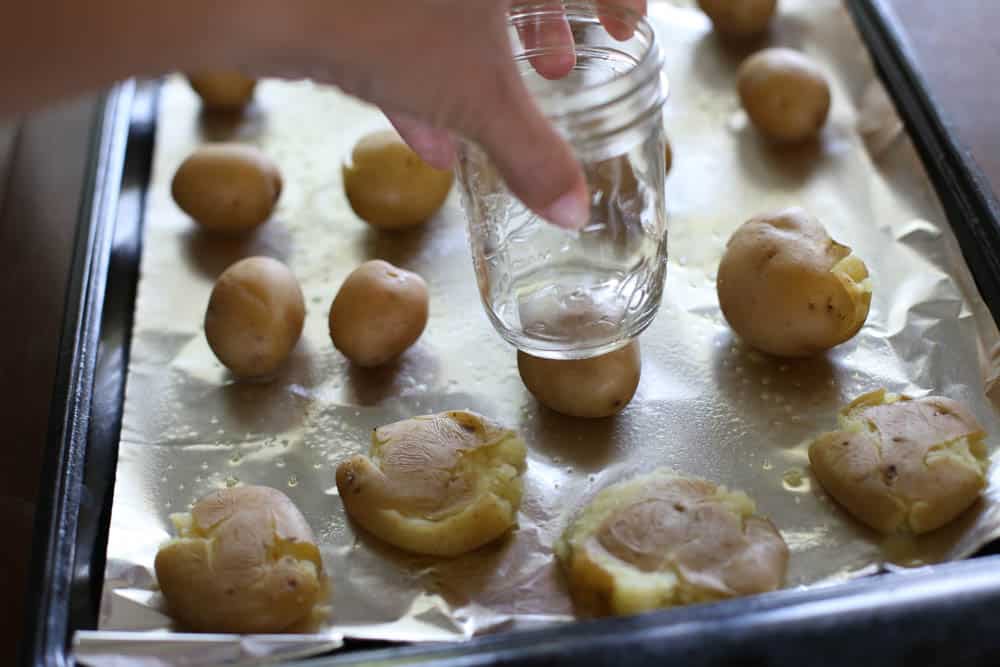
576	294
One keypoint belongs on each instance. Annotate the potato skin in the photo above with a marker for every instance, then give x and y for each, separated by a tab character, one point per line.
783	288
587	388
228	188
245	561
785	94
379	312
739	18
255	317
389	186
223	90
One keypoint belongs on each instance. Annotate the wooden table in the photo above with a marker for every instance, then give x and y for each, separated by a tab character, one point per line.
956	44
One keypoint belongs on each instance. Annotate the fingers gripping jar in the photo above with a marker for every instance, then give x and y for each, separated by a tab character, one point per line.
576	294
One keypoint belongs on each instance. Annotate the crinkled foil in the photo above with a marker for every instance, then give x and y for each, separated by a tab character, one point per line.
706	405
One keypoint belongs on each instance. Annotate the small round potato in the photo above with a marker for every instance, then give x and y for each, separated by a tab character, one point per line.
790	290
254	317
440	485
244	561
379	312
785	95
227	91
228	188
903	465
389	186
739	18
662	540
590	388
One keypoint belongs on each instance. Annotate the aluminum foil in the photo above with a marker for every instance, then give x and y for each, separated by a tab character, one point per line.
706	405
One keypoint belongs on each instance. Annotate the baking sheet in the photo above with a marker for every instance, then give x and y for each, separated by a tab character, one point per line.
706	405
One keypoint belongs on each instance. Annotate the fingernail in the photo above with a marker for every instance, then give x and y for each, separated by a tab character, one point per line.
570	211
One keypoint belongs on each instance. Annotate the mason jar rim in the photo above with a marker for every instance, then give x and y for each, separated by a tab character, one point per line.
559	105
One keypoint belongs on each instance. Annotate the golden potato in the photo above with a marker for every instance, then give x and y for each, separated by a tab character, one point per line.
591	388
899	464
440	485
244	561
662	540
255	317
227	187
379	312
785	94
223	90
739	18
389	186
790	290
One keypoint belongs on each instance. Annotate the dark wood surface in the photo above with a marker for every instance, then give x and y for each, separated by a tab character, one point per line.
956	44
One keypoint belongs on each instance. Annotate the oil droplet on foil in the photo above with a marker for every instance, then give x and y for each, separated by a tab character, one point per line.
767	465
280	463
232	481
795	480
293	481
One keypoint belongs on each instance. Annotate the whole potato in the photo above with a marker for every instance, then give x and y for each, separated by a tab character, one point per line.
379	312
589	388
739	18
244	561
389	186
785	94
790	290
223	90
255	317
227	187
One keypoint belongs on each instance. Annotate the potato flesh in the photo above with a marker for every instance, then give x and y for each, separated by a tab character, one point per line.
439	485
662	540
902	465
244	561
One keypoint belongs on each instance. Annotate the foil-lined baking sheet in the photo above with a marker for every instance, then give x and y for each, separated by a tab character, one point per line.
706	405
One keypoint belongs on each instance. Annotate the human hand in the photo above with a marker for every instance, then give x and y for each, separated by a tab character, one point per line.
438	67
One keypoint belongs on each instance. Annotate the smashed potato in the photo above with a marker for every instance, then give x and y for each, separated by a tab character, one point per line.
228	91
785	94
590	388
739	18
440	485
244	561
790	290
389	186
228	188
901	464
662	540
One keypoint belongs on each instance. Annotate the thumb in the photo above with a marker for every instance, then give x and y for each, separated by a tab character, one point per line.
537	165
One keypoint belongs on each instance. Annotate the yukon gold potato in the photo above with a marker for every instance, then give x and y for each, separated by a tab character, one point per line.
739	18
379	312
223	90
901	464
785	94
389	186
596	387
440	485
244	561
790	290
228	188
662	540
254	317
